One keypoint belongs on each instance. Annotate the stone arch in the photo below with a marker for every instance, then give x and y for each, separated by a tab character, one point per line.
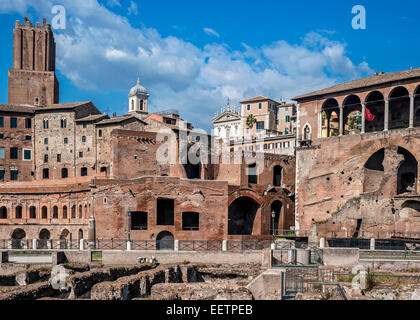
374	171
241	216
165	241
55	212
80	234
407	172
410	208
375	103
17	236
417	107
330	118
64	237
399	108
352	115
44	237
65	212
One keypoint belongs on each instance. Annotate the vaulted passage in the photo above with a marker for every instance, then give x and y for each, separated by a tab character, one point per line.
17	236
407	172
376	105
242	213
165	241
399	108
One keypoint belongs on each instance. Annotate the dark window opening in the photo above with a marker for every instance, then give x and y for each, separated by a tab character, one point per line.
65	212
45	173
14	175
190	221
63	123
13	123
252	174
73	212
165	212
2	174
407	173
32	212
44	212
18	212
45	158
138	220
3	213
14	154
80	212
241	216
55	212
399	109
277	176
83	172
58	157
28	123
64	173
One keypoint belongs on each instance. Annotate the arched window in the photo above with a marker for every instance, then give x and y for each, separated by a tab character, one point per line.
73	212
352	115
3	213
375	104
330	119
141	105
65	212
32	212
63	122
64	173
399	109
132	105
55	212
44	212
18	212
307	133
80	211
45	124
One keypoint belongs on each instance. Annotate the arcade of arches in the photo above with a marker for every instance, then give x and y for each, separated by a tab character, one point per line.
399	110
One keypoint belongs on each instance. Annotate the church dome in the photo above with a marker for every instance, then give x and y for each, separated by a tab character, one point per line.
138	89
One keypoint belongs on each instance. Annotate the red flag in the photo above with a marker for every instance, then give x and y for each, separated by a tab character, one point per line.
368	115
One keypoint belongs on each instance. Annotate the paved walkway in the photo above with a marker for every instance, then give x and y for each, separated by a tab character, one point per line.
30	258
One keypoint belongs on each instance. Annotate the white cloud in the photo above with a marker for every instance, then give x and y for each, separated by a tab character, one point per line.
102	51
113	3
211	32
133	9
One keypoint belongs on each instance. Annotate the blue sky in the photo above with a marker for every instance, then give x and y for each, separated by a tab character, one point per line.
193	55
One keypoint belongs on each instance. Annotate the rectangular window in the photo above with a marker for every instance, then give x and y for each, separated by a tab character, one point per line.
2	153
190	221
80	154
1	136
252	174
27	154
260	125
28	138
165	212
260	106
1	122
45	174
66	140
14	153
28	123
14	175
84	125
287	118
286	131
45	140
138	220
58	157
45	158
248	107
2	173
13	123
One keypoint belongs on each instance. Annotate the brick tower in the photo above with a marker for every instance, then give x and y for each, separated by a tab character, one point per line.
32	79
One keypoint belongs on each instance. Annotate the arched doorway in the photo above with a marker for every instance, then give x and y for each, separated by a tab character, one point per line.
241	216
275	223
407	173
277	176
17	236
374	171
64	237
165	241
399	108
330	119
375	103
352	115
80	234
44	236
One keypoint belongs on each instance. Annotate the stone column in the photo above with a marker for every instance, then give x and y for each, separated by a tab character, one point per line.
81	244
91	233
34	244
386	116
129	245
411	112
224	245
372	244
176	245
341	121
322	243
363	118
